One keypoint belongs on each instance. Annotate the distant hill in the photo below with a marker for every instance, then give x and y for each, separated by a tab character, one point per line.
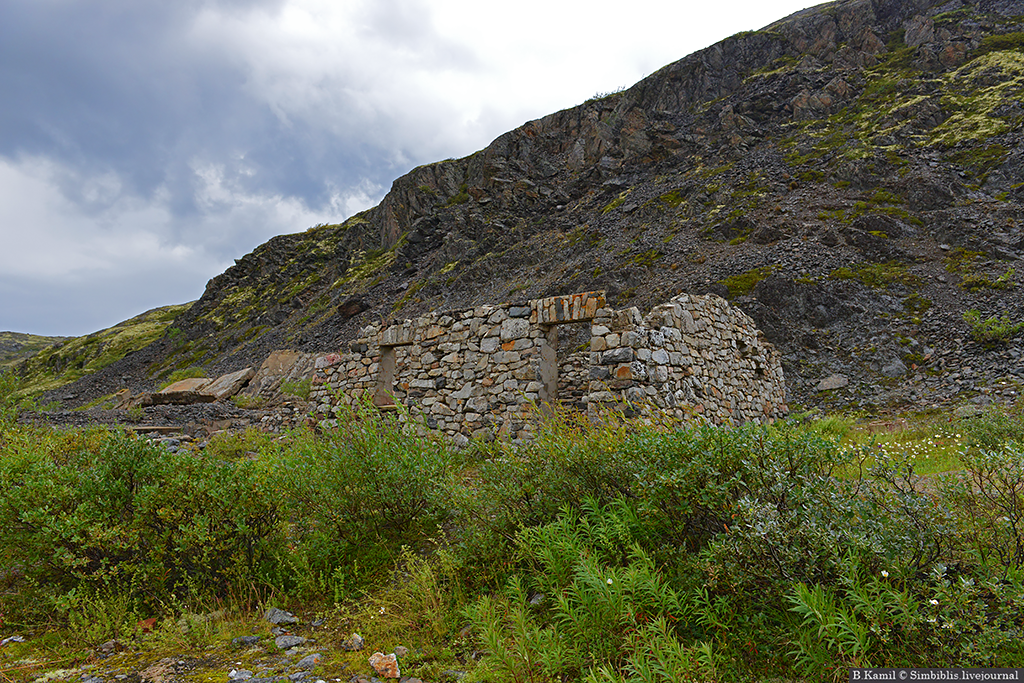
15	346
851	176
63	360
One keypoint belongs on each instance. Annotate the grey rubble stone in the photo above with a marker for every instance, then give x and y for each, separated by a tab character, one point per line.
619	355
514	328
894	369
239	674
309	661
245	641
833	382
279	616
354	643
228	385
285	642
967	411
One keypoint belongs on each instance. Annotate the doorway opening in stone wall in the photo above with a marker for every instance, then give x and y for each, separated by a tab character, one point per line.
385	392
565	366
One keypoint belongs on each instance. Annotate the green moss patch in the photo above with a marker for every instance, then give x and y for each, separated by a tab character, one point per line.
878	275
741	284
70	360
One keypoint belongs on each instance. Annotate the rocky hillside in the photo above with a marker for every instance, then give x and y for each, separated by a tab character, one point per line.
850	176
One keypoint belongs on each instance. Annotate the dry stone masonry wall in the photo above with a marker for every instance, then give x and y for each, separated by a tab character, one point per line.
480	373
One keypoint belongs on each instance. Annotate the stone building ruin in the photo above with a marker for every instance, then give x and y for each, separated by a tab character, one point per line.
481	372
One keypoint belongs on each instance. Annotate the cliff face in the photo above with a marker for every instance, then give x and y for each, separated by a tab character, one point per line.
849	176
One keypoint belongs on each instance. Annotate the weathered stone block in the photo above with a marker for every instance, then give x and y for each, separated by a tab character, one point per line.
618	355
514	328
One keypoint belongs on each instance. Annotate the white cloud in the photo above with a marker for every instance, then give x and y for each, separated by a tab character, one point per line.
147	152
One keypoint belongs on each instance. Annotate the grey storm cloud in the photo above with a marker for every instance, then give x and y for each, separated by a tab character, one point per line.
146	144
143	145
134	89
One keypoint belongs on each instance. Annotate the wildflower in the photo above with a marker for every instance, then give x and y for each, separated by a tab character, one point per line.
609	582
885	574
382	610
934	601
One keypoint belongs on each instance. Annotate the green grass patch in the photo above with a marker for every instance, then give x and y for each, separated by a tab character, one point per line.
616	203
741	284
878	275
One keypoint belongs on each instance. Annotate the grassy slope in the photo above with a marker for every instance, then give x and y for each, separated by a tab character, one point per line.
66	361
16	346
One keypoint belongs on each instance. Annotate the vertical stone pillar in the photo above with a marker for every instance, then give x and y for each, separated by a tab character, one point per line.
385	377
549	367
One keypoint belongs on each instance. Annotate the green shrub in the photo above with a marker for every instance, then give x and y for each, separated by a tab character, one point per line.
600	605
942	619
992	329
568	462
989	496
299	388
9	384
1000	43
357	494
116	512
249	402
878	275
975	282
743	283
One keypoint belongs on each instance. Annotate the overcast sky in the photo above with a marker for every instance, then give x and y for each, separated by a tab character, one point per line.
145	144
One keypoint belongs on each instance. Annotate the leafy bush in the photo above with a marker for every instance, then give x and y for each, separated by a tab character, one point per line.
609	553
114	511
876	619
993	329
357	494
299	388
9	384
600	608
989	497
568	462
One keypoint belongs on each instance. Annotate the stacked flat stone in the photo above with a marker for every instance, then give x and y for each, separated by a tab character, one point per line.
467	373
695	355
479	373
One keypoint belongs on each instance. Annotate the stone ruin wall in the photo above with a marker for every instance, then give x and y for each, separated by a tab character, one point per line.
480	373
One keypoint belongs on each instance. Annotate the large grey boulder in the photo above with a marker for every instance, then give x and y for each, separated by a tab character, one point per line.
228	385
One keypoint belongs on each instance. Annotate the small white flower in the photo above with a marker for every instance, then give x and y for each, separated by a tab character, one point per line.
382	610
934	601
885	574
609	582
931	620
